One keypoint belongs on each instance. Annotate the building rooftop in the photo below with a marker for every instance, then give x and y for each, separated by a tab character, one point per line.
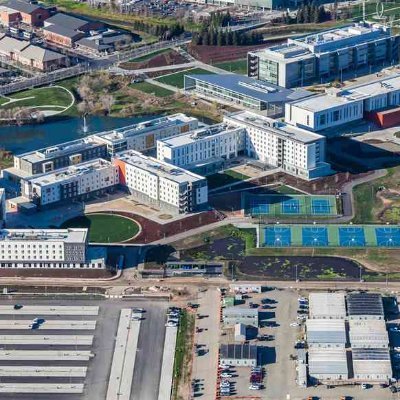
256	89
278	128
365	304
198	134
9	44
157	167
66	21
69	172
326	331
73	235
62	31
368	332
322	102
379	86
60	150
239	311
40	54
327	305
238	351
328	361
371	362
145	126
22	6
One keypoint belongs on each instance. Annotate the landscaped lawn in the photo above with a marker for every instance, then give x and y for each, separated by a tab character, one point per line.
225	178
105	228
152	89
50	96
177	79
236	66
149	56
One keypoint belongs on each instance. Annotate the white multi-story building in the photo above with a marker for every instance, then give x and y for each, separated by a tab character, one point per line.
204	149
75	182
296	151
163	185
46	248
144	135
338	107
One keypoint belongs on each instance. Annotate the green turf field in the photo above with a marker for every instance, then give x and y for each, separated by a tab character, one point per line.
152	89
105	228
236	66
319	236
177	79
289	205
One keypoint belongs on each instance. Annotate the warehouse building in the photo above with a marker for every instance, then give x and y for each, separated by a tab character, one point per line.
247	92
365	306
294	150
327	305
324	55
48	248
245	288
378	101
326	333
80	181
238	355
160	184
372	365
144	135
237	315
370	333
327	365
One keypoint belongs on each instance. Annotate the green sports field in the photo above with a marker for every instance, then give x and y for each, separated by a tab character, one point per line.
105	228
281	205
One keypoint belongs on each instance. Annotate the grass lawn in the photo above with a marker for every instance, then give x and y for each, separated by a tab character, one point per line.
105	228
183	352
52	96
236	66
225	178
149	56
6	159
177	79
152	89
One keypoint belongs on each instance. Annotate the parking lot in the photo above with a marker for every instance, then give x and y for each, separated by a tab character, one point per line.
68	353
278	355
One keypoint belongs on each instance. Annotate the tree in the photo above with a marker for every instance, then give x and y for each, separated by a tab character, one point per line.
220	38
235	39
107	101
205	38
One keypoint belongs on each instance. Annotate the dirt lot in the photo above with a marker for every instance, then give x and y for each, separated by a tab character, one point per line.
169	58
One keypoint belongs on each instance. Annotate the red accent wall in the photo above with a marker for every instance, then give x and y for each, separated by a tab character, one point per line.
386	118
122	170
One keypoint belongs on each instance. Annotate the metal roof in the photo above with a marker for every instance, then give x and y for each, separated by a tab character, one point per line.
326	331
368	333
327	361
238	351
232	311
327	305
250	87
365	304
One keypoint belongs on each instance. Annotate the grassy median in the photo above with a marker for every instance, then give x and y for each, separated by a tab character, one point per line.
183	353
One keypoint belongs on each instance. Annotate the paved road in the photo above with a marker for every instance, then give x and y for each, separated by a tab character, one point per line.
205	367
146	376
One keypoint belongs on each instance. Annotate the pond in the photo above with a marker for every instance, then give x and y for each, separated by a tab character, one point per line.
279	267
20	139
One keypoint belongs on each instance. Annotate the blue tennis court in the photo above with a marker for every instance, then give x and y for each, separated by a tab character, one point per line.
290	206
387	236
259	207
351	236
320	207
315	236
277	236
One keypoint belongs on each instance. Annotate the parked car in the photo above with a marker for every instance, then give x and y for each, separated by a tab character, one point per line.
255	386
226	375
17	306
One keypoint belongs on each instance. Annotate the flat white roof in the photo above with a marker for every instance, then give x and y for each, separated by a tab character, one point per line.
199	134
328	305
371	362
157	167
45	355
41	388
321	102
49	310
72	235
326	331
328	361
70	172
276	127
20	324
368	332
